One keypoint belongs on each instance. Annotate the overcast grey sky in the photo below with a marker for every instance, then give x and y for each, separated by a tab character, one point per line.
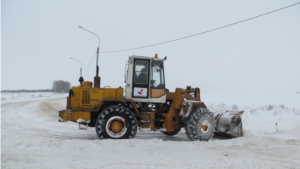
262	55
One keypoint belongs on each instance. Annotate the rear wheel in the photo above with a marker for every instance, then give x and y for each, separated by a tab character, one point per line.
201	125
116	122
172	133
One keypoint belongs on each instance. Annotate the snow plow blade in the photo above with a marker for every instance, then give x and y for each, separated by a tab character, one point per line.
229	123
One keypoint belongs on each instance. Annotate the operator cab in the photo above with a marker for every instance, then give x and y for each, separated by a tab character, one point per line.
145	79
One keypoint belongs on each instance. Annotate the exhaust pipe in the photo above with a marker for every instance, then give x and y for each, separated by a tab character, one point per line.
97	78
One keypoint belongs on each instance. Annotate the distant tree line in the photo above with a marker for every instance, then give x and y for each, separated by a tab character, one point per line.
61	86
58	86
26	91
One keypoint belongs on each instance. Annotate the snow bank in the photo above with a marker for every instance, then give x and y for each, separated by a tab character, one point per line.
252	100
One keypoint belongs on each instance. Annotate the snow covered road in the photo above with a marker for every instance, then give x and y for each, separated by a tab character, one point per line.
32	137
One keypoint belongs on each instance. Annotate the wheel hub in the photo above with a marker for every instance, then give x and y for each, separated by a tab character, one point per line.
116	127
205	125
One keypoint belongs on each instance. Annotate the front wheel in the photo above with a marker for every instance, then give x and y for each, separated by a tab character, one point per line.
201	125
116	122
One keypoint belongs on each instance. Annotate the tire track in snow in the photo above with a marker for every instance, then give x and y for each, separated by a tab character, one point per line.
51	135
93	136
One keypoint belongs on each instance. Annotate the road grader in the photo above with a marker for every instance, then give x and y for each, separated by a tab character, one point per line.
145	102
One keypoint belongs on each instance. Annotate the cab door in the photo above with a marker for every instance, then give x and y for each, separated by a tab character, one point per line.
140	87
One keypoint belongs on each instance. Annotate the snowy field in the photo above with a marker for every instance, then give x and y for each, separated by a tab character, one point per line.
32	137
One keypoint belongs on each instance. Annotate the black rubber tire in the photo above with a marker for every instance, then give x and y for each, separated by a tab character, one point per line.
194	130
172	133
112	113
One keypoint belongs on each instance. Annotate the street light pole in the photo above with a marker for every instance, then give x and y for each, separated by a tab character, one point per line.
96	78
80	78
80	67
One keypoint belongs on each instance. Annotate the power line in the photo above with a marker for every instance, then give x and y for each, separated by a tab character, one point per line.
211	30
90	62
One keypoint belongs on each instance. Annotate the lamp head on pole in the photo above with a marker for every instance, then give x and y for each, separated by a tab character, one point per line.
97	79
80	78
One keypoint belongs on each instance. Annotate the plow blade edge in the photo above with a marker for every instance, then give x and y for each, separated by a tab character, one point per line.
229	123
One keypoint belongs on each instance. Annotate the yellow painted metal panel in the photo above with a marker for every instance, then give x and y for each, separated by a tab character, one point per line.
66	115
120	93
74	98
90	98
157	92
113	93
110	93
